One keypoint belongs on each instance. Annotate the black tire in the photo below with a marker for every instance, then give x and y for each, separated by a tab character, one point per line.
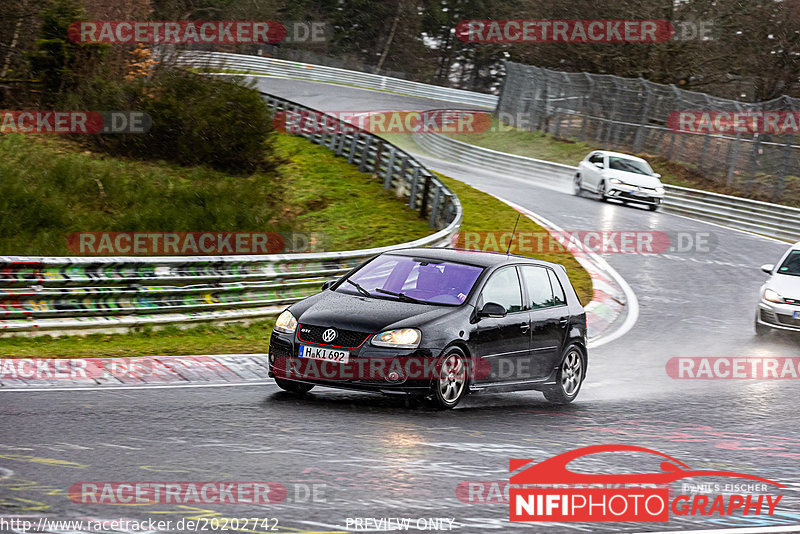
291	386
652	207
760	329
577	185
602	191
569	378
453	382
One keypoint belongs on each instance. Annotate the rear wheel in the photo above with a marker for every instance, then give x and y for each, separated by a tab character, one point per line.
569	377
452	383
653	207
293	387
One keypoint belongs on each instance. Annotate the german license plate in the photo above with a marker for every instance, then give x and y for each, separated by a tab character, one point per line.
319	353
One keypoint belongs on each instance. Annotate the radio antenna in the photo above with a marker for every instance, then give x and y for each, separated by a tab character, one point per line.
512	234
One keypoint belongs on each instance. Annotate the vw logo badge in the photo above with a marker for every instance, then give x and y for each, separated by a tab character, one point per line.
329	335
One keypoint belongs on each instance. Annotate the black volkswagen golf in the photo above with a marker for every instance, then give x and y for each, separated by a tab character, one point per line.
437	323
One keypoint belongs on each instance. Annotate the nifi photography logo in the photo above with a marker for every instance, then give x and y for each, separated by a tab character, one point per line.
549	491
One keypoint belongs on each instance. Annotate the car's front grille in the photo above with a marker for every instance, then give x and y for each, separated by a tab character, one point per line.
346	339
792	301
788	320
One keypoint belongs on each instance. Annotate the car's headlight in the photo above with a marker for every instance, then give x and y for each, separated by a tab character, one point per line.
404	338
660	190
772	296
286	323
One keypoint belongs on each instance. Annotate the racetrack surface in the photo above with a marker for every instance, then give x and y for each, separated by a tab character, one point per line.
373	457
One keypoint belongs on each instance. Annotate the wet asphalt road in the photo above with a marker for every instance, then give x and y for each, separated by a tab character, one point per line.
372	457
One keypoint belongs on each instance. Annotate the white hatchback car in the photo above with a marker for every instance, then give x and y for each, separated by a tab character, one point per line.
620	176
779	306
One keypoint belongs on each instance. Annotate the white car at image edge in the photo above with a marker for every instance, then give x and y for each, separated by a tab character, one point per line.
779	307
613	175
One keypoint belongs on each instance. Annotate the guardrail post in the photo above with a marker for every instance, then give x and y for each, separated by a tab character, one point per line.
435	208
353	145
387	178
412	197
425	192
378	155
342	141
401	175
362	166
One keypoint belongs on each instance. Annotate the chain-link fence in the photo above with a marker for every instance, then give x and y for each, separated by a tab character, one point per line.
631	115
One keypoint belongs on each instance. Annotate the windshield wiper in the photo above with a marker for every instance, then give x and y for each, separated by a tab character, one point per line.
401	296
359	288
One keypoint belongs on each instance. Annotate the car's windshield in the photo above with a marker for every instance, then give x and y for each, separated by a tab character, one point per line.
791	265
426	280
629	165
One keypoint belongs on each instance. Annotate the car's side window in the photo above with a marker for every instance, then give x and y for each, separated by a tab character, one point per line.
559	297
596	158
503	288
537	282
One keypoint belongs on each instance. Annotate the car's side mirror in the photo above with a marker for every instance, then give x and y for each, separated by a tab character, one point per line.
599	165
767	268
327	284
492	309
657	175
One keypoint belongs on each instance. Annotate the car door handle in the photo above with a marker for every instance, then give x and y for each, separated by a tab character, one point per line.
524	327
563	321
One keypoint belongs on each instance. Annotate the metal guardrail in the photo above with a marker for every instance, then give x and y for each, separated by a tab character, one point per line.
319	73
102	293
772	220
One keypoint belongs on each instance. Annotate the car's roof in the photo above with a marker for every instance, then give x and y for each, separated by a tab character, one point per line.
796	246
620	154
474	257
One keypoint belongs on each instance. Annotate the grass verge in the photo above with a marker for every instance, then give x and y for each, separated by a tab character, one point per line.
53	188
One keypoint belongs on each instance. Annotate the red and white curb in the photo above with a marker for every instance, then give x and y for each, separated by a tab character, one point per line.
38	374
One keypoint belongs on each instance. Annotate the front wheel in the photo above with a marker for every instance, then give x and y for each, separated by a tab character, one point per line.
653	207
577	185
602	191
569	377
293	387
761	330
452	383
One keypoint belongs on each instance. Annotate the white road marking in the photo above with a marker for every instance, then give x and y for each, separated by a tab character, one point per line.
159	386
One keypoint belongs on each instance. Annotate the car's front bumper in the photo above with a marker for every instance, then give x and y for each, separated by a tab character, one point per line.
635	194
778	316
369	368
